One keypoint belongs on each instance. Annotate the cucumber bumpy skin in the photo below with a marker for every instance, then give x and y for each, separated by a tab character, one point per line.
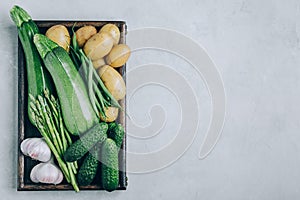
110	164
116	132
77	111
88	169
86	142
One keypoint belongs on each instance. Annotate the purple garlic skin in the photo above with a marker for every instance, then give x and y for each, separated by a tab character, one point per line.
46	173
36	148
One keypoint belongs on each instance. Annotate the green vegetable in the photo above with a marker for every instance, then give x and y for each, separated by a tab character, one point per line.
37	78
88	169
46	113
77	111
99	95
110	163
43	109
116	132
86	142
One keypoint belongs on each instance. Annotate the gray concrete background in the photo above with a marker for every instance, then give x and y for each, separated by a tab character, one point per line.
255	45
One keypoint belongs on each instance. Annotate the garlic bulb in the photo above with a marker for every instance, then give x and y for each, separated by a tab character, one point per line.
46	173
36	148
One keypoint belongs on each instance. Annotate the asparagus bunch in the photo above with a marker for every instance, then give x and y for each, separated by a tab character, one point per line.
46	114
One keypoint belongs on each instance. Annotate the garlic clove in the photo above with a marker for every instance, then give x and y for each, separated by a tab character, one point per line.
40	152
33	177
36	148
46	173
59	179
27	144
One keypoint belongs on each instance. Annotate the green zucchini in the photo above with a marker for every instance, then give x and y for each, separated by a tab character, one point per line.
86	142
116	132
110	165
77	110
37	78
88	169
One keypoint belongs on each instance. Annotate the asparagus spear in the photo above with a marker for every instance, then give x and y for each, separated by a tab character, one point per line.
46	114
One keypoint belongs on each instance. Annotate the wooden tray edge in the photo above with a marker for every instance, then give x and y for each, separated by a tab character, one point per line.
21	186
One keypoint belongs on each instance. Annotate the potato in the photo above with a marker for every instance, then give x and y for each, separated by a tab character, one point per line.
113	30
98	46
85	33
118	56
111	114
113	81
98	63
60	35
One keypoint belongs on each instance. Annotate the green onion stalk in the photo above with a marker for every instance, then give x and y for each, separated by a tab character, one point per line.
46	114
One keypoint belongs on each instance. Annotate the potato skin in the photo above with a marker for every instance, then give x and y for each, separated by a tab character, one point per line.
98	46
99	63
85	33
60	35
113	30
118	56
113	81
111	114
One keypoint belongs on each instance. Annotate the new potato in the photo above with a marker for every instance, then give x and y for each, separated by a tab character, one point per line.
60	35
118	56
113	31
113	81
98	63
85	33
98	46
111	114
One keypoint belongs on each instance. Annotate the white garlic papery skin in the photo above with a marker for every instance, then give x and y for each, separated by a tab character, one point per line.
36	148
46	173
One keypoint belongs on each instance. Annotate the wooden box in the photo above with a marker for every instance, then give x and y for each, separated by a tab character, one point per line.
27	130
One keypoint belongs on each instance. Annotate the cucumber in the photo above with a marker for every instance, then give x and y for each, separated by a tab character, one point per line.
77	110
77	150
110	164
116	132
88	169
37	78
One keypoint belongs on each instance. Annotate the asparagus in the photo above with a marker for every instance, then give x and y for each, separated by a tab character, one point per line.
45	110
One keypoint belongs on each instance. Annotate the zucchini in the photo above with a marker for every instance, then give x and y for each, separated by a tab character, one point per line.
77	150
116	132
77	110
110	165
88	169
37	78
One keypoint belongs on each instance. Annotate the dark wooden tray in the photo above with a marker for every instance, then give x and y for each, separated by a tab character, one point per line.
27	130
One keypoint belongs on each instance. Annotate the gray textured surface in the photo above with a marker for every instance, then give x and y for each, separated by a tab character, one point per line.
255	45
